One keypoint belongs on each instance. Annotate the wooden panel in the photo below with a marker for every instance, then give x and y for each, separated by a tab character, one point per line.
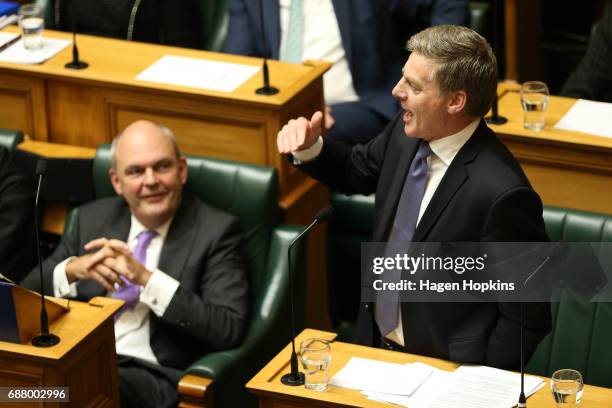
23	105
76	113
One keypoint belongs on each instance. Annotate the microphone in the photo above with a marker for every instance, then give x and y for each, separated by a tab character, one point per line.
495	118
45	339
75	63
266	89
295	377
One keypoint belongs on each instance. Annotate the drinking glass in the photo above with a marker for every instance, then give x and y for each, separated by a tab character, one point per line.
566	386
534	98
315	356
31	22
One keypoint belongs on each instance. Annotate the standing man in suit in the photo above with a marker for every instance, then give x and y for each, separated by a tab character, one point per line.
364	39
177	263
440	175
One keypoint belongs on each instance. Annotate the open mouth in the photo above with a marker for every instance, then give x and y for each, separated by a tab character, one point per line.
407	116
153	197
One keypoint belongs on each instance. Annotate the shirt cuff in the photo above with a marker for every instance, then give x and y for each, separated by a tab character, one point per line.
306	155
61	287
159	291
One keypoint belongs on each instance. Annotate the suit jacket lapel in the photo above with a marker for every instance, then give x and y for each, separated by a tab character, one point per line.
407	150
454	177
179	240
342	9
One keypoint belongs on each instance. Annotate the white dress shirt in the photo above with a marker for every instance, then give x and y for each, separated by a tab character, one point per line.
445	150
132	327
322	41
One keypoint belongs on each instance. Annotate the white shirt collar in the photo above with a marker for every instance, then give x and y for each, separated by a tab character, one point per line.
447	147
137	228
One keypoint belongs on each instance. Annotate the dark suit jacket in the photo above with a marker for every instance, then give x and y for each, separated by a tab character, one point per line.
484	196
593	77
374	33
203	251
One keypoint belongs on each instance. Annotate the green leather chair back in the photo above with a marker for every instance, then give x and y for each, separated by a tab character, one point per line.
250	193
9	138
481	16
215	19
582	333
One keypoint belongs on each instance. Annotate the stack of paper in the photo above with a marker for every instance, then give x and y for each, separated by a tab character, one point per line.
382	377
588	117
17	52
419	385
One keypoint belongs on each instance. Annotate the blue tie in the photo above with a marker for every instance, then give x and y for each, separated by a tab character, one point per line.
292	49
404	225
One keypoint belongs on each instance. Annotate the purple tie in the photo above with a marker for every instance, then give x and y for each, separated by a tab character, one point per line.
131	292
404	225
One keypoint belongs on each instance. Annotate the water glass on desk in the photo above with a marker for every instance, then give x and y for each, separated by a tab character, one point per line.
567	387
315	356
534	98
31	22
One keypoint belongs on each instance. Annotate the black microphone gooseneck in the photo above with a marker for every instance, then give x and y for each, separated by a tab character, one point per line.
295	377
266	89
495	118
75	63
45	339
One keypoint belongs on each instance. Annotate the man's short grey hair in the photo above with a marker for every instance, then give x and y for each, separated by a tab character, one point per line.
163	129
465	61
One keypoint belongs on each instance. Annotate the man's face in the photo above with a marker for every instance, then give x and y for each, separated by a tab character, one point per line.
425	107
148	174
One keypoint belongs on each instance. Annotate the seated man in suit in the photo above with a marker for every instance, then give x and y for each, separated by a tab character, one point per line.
177	263
364	39
440	175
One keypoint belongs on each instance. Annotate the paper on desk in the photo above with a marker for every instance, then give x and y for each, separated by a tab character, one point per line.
588	117
379	376
198	73
17	53
438	381
7	37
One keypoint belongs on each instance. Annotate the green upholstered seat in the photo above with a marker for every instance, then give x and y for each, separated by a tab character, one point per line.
481	18
9	138
582	333
249	192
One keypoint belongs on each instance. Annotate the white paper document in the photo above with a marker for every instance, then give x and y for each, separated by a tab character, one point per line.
6	38
198	73
378	376
17	52
588	117
467	387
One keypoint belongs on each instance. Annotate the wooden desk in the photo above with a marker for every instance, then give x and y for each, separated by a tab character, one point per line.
567	169
273	394
84	360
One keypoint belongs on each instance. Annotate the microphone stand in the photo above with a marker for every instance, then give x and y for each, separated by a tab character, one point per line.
45	339
295	377
266	89
495	118
75	63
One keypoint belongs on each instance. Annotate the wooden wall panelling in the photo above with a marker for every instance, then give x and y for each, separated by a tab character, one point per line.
23	104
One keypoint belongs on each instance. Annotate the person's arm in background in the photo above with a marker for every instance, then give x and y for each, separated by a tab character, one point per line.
593	77
242	37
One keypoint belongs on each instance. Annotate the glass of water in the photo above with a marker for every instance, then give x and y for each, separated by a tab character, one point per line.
315	356
31	22
566	386
534	98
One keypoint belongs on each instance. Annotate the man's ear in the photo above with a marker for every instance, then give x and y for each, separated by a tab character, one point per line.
456	102
183	169
112	173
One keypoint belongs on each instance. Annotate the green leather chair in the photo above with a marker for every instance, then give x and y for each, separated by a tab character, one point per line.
481	16
9	138
581	334
248	192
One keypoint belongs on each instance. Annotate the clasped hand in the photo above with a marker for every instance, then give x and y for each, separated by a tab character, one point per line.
111	260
